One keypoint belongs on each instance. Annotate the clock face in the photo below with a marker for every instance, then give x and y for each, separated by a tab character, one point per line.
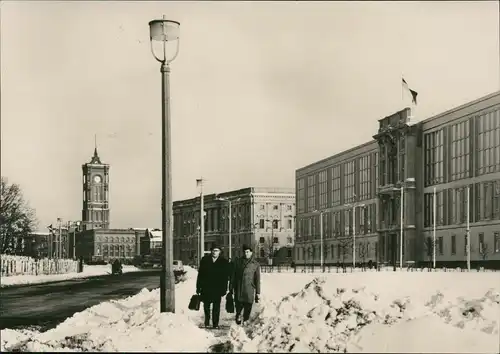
97	179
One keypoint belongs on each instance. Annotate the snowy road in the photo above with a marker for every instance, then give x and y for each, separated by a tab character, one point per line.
45	305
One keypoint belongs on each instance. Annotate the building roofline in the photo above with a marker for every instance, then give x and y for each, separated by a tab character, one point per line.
437	116
462	106
339	154
245	191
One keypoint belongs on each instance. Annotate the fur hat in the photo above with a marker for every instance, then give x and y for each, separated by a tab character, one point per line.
246	247
215	246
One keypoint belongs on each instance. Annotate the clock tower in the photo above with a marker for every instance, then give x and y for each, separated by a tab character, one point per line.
95	211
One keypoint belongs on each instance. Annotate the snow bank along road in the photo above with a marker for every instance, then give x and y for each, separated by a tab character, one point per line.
299	313
46	305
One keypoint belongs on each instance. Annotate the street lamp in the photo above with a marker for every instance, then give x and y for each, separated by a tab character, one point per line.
401	223
166	31
230	222
320	212
354	206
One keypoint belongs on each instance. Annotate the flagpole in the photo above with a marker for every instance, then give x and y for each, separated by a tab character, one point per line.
468	228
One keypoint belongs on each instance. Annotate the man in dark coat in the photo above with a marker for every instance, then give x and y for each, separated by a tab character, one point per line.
211	283
245	283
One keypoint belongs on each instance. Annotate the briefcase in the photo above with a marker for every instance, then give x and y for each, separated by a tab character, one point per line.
194	303
229	303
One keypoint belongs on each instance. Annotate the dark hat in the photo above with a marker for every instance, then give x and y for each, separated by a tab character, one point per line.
246	247
215	246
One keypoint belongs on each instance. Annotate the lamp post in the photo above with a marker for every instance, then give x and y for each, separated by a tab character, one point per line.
401	226
434	228
320	212
165	31
354	206
59	243
468	228
230	215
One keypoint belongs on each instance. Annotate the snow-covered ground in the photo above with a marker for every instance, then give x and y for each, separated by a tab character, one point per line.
358	312
88	271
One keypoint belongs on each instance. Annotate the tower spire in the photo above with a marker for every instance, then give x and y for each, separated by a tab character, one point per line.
95	158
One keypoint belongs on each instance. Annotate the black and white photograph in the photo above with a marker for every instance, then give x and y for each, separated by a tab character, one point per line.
250	176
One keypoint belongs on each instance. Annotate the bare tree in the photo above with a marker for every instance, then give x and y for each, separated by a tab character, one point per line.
483	250
17	219
430	245
345	247
363	253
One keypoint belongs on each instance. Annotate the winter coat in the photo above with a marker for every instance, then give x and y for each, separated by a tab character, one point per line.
245	280
212	277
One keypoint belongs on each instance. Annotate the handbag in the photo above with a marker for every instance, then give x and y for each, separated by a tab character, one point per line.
229	303
194	303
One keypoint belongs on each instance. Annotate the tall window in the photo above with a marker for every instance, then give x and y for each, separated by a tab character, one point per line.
481	243
496	242
311	193
336	224
488	142
402	150
301	196
335	185
375	157
487	200
350	182
429	209
434	162
453	244
347	222
323	191
381	165
460	150
365	177
458	205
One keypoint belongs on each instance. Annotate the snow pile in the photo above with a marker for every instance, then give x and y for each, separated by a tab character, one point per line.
88	271
355	313
131	324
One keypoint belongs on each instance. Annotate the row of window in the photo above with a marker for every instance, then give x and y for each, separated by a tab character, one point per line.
112	239
114	250
449	206
338	251
218	219
344	183
362	220
460	163
482	248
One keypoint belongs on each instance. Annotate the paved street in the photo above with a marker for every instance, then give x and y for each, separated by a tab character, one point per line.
46	305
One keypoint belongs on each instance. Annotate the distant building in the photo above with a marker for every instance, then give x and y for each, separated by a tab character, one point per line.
151	242
97	241
359	191
108	244
262	218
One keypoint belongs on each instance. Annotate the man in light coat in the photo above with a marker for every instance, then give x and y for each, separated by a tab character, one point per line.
245	284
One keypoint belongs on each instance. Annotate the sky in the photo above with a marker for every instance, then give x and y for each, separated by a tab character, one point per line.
258	90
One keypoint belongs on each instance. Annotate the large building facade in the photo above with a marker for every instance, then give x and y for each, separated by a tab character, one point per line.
262	218
372	194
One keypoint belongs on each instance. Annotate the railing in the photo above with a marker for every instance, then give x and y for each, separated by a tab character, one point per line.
21	265
339	268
